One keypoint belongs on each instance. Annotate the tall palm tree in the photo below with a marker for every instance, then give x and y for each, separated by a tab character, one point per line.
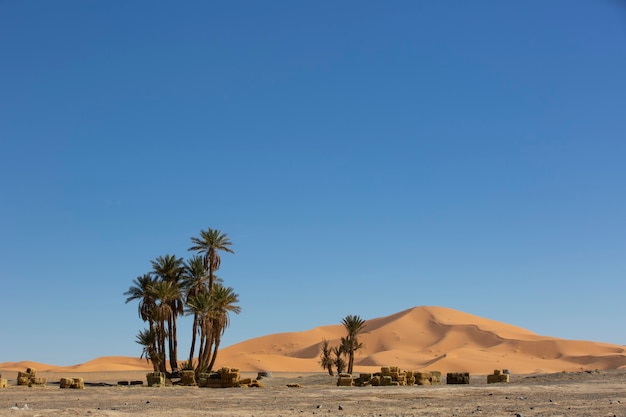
201	306
354	325
195	282
210	243
224	302
170	269
164	294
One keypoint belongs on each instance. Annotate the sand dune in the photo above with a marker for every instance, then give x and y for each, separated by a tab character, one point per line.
102	364
421	338
430	338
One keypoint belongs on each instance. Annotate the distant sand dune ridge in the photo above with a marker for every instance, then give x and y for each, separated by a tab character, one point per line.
102	364
420	338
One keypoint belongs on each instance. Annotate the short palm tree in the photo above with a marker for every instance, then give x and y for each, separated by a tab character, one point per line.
354	325
210	243
147	339
326	358
339	361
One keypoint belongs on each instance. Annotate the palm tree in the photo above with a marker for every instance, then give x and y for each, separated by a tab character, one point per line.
164	294
141	291
147	339
175	287
339	362
201	306
170	269
326	359
195	282
224	302
210	242
195	276
354	325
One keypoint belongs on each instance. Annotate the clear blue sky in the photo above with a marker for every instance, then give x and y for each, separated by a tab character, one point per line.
363	157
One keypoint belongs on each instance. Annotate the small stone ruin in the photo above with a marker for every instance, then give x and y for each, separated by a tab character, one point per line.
30	378
498	376
390	376
458	378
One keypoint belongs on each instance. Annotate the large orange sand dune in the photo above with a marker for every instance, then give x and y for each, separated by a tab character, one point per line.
429	338
421	338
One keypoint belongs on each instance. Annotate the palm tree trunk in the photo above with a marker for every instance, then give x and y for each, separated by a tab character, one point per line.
200	367
173	344
211	272
210	340
161	333
154	354
154	357
205	346
206	351
215	347
194	330
350	361
170	345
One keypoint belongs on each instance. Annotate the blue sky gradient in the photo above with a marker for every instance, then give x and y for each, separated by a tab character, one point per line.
364	157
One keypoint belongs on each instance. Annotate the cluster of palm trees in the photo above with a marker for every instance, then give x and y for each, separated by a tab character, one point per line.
176	287
343	355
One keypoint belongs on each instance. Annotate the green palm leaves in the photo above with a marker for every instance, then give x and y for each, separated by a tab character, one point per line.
210	243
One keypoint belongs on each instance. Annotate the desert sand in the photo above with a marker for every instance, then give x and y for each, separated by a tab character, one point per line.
594	393
550	376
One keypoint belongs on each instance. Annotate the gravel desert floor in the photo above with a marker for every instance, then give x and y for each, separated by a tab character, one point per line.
591	393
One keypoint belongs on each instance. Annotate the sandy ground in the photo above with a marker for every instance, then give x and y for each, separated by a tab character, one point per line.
597	393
